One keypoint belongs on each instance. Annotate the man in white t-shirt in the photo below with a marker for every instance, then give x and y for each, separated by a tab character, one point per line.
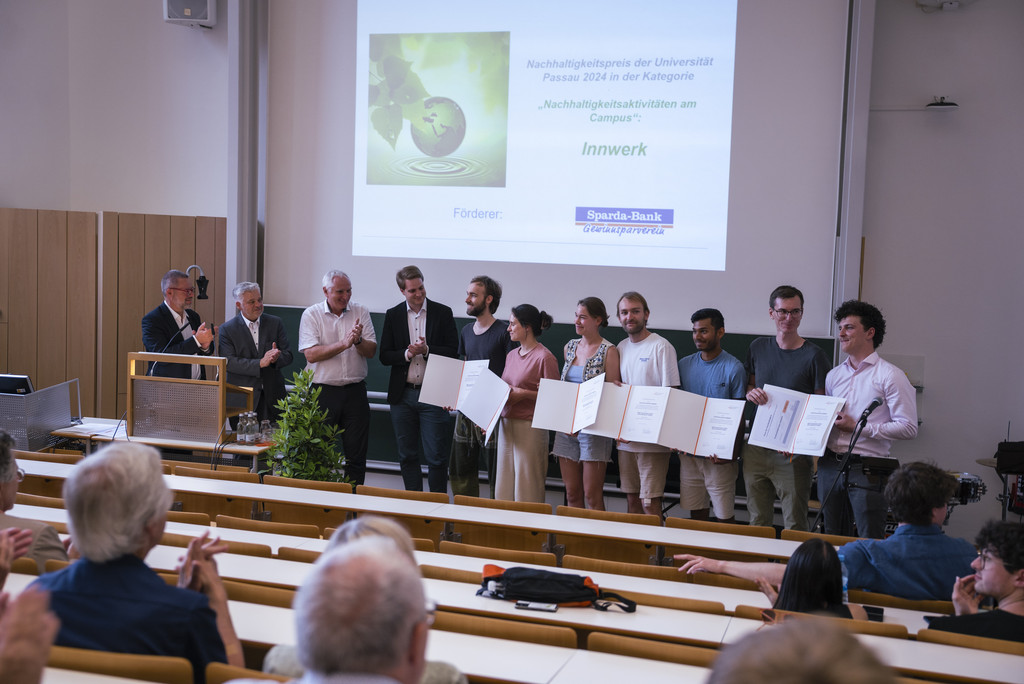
645	358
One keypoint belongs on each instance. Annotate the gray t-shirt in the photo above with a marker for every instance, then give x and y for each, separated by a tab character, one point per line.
803	369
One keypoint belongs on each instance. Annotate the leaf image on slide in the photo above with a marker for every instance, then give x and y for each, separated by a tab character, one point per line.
452	88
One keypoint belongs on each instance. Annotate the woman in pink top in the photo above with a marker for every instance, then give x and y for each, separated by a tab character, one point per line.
522	450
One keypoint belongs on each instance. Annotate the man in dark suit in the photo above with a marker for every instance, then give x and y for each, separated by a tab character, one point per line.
256	347
413	330
172	328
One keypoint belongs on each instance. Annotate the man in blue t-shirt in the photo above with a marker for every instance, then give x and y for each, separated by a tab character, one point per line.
710	372
484	338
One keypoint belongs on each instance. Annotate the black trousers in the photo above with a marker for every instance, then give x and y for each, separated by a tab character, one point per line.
349	409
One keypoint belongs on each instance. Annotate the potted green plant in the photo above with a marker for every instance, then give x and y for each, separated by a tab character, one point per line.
304	444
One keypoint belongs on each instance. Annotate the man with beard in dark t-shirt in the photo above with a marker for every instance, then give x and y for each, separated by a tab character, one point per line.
485	338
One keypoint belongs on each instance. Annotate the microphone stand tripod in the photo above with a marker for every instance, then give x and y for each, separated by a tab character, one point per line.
843	474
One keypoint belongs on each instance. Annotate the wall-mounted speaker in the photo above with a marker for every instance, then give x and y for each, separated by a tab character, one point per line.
191	12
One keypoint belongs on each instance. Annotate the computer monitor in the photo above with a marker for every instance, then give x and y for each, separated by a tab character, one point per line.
15	384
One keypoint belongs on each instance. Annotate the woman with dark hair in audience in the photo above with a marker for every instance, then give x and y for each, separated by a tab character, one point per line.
813	583
522	450
584	458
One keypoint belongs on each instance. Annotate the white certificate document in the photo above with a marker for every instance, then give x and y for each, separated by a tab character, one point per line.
610	411
447	381
567	406
485	401
787	423
816	424
722	418
645	411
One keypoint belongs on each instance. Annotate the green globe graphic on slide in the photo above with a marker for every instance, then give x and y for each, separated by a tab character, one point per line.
437	109
439	128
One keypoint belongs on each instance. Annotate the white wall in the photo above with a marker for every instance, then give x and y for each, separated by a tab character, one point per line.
944	209
107	107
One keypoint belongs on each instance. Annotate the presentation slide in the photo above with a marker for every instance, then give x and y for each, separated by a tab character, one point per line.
591	133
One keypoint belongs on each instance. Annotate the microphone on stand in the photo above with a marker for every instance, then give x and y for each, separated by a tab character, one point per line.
178	332
875	403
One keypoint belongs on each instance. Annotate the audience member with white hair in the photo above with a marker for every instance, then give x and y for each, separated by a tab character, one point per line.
361	616
285	659
110	600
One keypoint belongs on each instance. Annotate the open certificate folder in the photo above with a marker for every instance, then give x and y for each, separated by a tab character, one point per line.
446	382
567	406
486	399
701	426
794	422
682	420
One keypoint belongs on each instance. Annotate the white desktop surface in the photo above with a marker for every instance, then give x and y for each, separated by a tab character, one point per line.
593	667
53	675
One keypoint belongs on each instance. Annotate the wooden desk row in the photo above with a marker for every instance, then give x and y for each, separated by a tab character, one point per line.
451	514
290	574
515	661
474	655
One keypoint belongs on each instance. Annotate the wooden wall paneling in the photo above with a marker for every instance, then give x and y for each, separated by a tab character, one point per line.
22	335
205	243
133	291
183	243
158	258
6	218
106	328
52	298
82	272
220	261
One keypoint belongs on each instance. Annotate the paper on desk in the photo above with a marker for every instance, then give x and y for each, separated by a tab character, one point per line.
102	430
485	401
794	422
567	406
447	381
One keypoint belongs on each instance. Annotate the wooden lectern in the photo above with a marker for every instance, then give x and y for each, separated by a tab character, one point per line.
180	409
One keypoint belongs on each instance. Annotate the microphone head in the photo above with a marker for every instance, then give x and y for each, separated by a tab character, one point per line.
202	282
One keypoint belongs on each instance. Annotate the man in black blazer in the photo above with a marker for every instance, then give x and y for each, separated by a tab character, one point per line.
257	348
413	330
173	328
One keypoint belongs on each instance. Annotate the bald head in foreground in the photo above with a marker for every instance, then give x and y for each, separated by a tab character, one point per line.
800	651
362	611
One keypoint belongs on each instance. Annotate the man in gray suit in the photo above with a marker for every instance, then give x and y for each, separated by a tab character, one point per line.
256	348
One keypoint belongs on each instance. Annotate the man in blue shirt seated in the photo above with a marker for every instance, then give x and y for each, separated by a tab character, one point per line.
998	574
110	600
917	562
